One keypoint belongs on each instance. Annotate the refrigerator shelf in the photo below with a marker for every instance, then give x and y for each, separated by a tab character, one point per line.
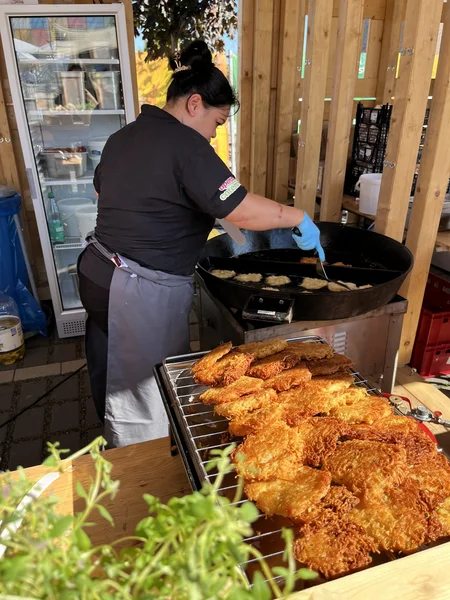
69	244
69	113
80	61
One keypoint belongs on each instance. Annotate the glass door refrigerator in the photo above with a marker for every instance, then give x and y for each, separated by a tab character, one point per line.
69	72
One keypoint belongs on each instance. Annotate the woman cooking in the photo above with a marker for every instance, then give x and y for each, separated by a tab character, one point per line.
161	186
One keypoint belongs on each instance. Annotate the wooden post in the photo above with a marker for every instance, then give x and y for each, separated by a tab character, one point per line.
262	52
411	95
271	128
317	52
245	55
285	89
344	79
395	12
298	86
429	197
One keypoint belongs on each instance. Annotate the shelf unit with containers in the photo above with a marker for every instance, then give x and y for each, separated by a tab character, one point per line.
71	91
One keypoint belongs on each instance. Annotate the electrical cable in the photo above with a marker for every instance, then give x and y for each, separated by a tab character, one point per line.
11	419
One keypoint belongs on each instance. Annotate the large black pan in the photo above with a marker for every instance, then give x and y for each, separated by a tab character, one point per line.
376	260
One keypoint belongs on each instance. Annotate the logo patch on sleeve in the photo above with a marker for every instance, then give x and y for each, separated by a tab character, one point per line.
228	187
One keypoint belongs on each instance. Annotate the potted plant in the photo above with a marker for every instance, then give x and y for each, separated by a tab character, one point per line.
189	549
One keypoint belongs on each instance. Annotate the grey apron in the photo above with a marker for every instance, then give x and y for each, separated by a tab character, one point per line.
148	320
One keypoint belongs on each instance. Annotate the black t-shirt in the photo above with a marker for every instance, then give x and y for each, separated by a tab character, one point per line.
161	186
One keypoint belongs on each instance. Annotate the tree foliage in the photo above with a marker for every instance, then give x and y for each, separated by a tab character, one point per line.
166	24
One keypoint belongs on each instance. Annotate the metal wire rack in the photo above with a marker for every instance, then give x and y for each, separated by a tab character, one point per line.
197	431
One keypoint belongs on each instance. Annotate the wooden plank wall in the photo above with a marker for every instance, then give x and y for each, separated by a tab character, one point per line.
271	48
317	53
429	196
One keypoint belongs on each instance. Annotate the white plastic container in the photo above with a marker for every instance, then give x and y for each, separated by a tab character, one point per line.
368	186
68	209
95	147
86	219
95	160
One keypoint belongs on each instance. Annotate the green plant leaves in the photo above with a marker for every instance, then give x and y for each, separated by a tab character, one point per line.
82	539
61	526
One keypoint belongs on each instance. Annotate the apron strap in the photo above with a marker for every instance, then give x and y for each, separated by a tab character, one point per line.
112	256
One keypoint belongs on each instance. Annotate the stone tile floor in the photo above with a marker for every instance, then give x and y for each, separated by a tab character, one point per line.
67	415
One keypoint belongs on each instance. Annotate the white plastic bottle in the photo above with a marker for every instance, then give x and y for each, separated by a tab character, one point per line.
12	345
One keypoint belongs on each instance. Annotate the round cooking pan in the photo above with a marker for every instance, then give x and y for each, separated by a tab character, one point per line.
375	259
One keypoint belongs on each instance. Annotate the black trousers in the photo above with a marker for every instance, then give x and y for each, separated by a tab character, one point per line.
95	300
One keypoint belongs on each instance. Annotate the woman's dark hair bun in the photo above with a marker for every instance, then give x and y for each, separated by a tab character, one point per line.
196	55
195	73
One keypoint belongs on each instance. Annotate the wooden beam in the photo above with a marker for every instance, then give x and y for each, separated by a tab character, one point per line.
429	197
262	53
411	96
318	47
287	56
373	52
298	85
344	78
271	129
395	13
246	16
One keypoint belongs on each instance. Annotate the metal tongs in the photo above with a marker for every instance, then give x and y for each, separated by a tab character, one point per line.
320	270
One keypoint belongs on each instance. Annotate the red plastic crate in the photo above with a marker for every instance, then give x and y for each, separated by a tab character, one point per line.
434	328
437	293
431	360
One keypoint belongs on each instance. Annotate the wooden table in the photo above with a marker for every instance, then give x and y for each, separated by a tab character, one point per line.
149	468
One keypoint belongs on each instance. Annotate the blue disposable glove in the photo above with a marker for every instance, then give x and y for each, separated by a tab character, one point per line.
307	237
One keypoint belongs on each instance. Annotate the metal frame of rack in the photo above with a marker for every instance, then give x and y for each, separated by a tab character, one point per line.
195	440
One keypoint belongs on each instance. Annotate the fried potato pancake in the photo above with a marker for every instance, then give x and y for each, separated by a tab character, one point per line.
210	359
273	365
439	522
366	467
248	277
318	396
271	453
226	370
329	366
419	447
333	548
319	437
276	280
262	349
308	260
397	521
299	375
369	409
338	502
432	479
246	404
337	287
310	350
223	273
242	386
312	283
289	498
255	420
